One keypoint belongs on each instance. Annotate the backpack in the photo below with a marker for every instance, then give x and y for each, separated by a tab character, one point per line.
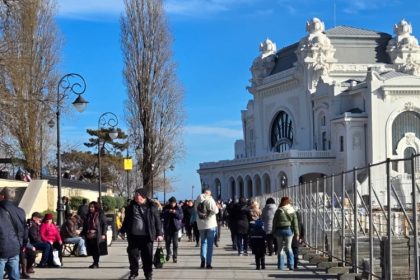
202	210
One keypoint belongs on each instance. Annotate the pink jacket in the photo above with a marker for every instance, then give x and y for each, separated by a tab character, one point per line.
49	233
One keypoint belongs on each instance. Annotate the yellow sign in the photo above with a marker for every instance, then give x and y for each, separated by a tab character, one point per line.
128	164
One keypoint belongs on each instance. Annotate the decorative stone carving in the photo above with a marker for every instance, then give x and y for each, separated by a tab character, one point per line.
315	52
404	49
409	106
410	139
264	63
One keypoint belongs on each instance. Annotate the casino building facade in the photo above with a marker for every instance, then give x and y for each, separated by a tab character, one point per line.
337	99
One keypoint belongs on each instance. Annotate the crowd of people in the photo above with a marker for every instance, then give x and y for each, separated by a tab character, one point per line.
267	231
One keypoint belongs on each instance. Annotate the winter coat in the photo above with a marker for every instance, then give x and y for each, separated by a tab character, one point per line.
10	240
49	233
69	229
285	216
34	235
210	221
172	221
101	229
152	216
268	216
241	217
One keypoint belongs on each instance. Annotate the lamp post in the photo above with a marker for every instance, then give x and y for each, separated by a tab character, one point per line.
41	144
192	192
107	120
171	167
69	83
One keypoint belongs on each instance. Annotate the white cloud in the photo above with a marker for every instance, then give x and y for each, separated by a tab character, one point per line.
214	131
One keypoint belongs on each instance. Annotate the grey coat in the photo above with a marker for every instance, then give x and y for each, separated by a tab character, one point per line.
268	216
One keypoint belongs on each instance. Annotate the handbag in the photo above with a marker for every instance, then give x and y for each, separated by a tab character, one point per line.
159	257
103	248
56	258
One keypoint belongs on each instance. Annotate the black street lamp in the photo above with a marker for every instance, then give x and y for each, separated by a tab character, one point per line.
109	121
171	167
70	83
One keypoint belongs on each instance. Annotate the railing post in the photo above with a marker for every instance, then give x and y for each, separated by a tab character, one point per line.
310	215
324	194
316	213
389	222
356	231
332	218
343	221
370	223
415	224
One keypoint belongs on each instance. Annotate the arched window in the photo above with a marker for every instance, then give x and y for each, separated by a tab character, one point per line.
407	121
281	133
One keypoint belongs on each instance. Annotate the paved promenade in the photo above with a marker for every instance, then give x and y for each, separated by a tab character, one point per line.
226	265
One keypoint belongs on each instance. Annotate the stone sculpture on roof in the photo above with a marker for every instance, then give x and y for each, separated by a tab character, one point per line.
264	63
404	49
315	52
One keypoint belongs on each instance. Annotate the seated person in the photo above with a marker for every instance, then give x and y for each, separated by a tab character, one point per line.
49	233
70	234
36	241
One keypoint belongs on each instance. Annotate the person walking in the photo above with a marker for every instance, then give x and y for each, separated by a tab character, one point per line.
172	222
267	217
188	211
206	209
94	232
142	225
242	217
257	242
13	234
285	226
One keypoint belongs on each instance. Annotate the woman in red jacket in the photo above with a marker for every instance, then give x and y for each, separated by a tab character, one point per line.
50	233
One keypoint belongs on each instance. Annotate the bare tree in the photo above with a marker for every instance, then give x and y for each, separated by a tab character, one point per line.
154	108
27	74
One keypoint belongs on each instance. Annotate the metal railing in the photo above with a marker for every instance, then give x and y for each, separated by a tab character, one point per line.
364	218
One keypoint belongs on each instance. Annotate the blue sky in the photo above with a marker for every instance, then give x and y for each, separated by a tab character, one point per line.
214	44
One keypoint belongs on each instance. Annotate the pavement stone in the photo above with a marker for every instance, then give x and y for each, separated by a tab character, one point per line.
226	265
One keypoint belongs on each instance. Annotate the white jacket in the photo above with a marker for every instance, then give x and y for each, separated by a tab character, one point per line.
209	222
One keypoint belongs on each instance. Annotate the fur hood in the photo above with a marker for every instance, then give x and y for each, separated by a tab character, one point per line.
288	209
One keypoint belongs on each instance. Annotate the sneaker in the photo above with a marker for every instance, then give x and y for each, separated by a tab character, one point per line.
94	266
168	258
209	266
175	260
133	275
149	277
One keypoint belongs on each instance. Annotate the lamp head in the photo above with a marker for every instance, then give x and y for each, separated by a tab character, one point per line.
80	104
113	133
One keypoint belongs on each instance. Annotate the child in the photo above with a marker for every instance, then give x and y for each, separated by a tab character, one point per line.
257	241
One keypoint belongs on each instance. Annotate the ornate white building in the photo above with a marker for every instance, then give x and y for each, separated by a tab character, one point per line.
337	99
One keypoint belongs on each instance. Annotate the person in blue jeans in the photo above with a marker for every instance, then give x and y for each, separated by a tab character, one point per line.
285	227
36	241
207	226
13	234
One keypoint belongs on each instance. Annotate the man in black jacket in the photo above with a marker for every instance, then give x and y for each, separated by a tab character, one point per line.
35	239
142	225
13	234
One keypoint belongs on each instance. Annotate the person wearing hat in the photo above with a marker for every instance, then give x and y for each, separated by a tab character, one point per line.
172	223
36	241
50	234
142	225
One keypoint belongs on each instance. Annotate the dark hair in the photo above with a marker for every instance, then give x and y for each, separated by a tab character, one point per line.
85	200
270	200
95	205
284	201
242	200
8	193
